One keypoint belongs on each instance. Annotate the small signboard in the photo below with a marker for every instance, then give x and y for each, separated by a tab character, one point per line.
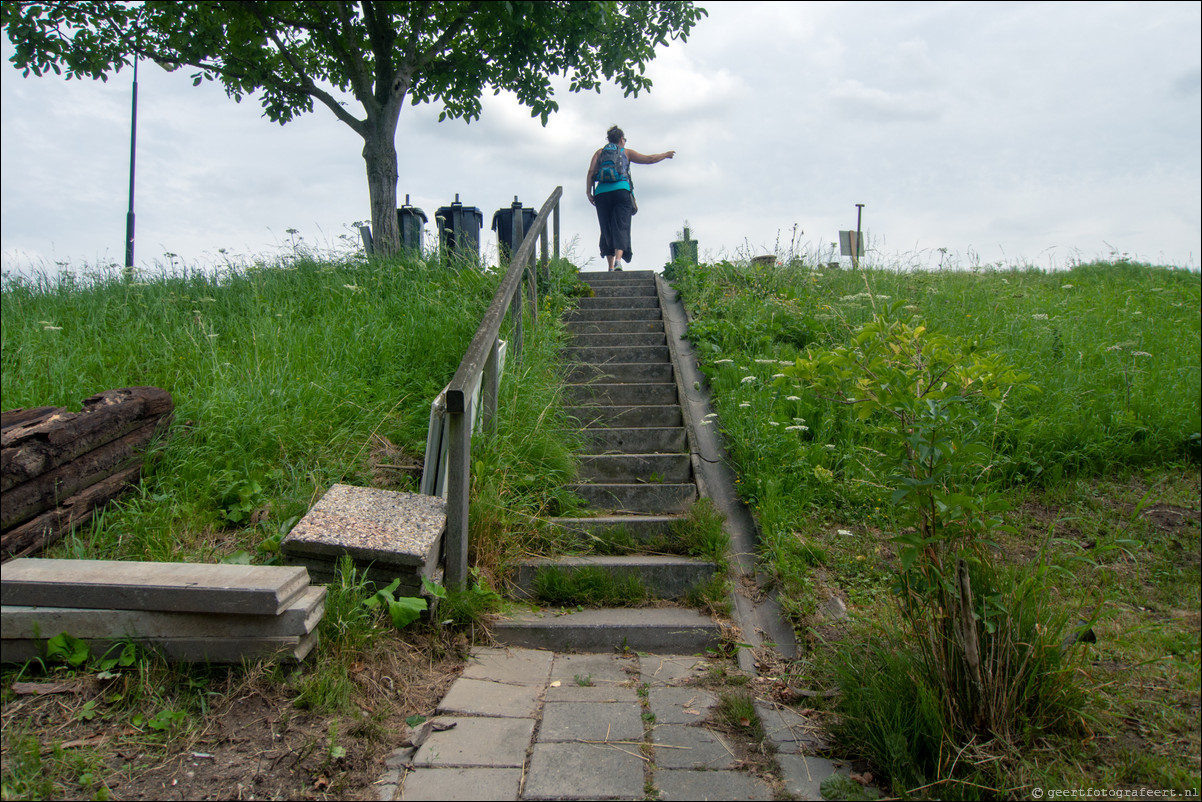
848	242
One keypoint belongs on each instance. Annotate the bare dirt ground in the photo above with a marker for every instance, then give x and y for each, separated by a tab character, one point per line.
253	743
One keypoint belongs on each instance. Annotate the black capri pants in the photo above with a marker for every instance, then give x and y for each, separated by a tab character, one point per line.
614	210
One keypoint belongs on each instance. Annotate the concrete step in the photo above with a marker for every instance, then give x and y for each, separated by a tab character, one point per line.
659	498
614	326
662	577
620	528
617	276
175	587
625	394
616	372
637	415
646	440
606	314
633	468
618	340
600	356
665	630
636	302
626	289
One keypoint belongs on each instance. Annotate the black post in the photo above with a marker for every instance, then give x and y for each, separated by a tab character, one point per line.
855	248
129	215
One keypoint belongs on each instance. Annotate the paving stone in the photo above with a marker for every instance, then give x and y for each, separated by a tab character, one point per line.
386	786
514	666
701	785
584	771
788	730
465	784
596	667
667	669
478	742
476	697
569	691
591	721
803	775
679	747
683	705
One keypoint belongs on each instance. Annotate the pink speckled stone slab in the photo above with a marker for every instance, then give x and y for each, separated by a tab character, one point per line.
371	524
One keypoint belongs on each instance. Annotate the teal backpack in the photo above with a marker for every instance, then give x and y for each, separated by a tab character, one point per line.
613	166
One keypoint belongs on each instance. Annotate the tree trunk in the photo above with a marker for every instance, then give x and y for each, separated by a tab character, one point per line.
379	154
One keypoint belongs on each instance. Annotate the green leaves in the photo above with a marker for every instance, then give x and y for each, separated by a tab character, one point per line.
64	648
403	611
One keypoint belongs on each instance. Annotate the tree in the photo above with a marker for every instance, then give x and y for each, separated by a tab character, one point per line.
380	53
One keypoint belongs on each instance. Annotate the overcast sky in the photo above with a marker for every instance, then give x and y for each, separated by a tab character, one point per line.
1014	133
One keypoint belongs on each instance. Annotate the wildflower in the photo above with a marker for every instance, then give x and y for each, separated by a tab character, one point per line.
724	362
747	380
1039	317
845	532
764	361
712	415
52	328
793	398
351	287
824	475
785	363
829	446
797	428
778	375
1140	353
745	405
773	423
1066	286
707	423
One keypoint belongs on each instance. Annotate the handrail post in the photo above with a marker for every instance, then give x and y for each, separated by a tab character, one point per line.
480	367
488	389
459	453
544	265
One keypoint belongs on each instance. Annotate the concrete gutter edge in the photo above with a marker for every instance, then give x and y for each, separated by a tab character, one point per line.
761	623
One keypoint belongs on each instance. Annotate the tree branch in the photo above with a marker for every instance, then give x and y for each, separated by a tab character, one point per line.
307	85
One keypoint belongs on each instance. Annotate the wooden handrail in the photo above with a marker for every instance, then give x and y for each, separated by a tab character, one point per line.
479	367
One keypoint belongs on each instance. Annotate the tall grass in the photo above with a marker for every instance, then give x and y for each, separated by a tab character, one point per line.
281	378
1112	351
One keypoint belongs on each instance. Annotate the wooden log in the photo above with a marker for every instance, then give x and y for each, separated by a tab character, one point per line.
28	450
47	528
27	500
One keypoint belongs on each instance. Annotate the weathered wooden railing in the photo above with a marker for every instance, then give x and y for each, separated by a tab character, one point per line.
471	397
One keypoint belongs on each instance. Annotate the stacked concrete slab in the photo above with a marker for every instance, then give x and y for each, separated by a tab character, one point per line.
387	534
188	612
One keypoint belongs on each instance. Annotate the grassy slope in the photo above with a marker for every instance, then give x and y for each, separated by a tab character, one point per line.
1088	460
286	380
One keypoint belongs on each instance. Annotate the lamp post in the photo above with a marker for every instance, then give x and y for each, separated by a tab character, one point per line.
129	215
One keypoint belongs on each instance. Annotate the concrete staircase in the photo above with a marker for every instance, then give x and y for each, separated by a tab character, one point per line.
636	474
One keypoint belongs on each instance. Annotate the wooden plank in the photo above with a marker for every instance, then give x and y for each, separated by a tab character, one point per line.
32	623
183	650
176	587
44	530
23	417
